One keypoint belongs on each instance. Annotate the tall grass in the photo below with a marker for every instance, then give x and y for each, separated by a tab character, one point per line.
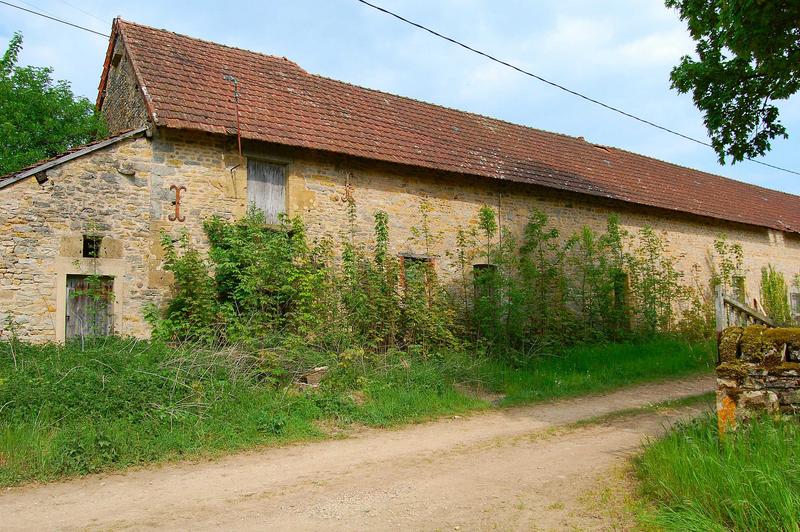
65	411
599	368
750	480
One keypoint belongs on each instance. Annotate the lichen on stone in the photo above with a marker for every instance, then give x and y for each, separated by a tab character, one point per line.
733	369
729	344
754	343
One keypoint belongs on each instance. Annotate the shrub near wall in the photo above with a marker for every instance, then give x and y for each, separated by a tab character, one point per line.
540	291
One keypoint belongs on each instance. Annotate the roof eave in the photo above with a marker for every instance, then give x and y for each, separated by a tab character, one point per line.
70	156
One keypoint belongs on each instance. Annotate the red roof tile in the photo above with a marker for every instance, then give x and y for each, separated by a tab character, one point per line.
282	103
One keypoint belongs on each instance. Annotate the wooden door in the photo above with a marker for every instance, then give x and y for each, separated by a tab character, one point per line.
266	188
89	306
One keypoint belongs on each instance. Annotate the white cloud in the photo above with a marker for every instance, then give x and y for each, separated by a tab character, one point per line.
663	48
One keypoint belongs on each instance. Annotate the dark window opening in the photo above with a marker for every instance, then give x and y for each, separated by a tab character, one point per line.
484	279
414	267
91	246
620	283
41	178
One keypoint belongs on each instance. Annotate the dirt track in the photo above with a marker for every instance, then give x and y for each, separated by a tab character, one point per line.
506	469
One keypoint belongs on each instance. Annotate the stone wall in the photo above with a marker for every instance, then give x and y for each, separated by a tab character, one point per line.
124	190
123	194
317	189
759	372
123	106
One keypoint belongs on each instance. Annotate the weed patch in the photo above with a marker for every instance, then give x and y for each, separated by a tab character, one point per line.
750	480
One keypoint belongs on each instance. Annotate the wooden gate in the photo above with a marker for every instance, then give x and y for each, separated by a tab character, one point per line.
89	306
730	312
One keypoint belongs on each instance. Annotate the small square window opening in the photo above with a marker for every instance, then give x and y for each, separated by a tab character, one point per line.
91	246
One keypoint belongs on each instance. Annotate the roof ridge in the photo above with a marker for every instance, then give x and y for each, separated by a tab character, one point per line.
124	22
579	138
379	91
308	110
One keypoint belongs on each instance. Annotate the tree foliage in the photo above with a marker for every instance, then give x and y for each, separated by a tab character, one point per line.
748	57
39	118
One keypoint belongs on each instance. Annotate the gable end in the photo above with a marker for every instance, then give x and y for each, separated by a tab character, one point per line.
121	98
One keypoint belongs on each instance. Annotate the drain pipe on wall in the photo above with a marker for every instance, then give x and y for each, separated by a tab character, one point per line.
232	79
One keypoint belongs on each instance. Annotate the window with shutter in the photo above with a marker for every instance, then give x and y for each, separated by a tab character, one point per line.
795	301
266	188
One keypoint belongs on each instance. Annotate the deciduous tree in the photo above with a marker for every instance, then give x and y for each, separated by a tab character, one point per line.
748	57
39	117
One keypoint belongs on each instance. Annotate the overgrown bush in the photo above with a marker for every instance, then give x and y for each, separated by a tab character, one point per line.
727	268
263	284
528	293
541	290
656	286
192	312
775	295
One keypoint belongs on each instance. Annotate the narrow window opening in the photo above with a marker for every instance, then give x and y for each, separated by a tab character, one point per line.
621	296
91	246
413	267
795	301
41	178
484	279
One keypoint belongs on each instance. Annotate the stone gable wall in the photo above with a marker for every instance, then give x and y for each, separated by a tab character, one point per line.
123	106
122	193
125	190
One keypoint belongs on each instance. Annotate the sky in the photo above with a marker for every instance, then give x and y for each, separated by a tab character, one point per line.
616	51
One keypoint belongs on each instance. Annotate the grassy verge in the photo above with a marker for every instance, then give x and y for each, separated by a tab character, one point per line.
599	368
748	481
64	411
705	399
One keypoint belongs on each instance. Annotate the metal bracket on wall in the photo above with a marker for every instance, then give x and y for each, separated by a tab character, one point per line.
177	202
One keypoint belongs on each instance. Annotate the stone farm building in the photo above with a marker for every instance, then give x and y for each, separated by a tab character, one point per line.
173	118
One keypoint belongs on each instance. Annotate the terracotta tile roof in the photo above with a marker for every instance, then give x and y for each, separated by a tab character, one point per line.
282	103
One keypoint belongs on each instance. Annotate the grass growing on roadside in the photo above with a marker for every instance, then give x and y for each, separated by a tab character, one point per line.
118	403
704	399
599	368
748	481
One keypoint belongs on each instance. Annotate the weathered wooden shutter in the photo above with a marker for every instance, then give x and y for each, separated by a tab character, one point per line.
266	188
89	306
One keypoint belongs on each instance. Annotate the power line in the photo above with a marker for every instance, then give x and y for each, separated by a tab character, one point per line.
557	85
54	18
474	50
73	6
